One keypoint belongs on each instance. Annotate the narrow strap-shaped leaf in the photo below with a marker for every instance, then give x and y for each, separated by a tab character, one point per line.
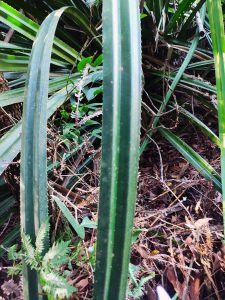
33	184
70	218
4	45
201	125
175	82
17	95
121	130
29	29
187	80
184	5
34	136
193	158
10	143
218	40
18	63
200	64
9	62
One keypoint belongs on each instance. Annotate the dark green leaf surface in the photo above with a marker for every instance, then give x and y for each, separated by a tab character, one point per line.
194	158
121	129
70	218
33	184
218	40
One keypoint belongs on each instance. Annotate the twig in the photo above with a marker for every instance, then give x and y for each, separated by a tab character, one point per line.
200	24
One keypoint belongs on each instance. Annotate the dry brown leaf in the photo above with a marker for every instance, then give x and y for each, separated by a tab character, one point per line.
141	251
178	287
194	289
82	284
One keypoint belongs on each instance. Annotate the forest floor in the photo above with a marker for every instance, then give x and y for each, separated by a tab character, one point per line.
178	226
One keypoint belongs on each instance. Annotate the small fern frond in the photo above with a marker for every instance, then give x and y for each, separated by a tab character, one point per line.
12	253
42	233
56	286
57	255
28	249
15	270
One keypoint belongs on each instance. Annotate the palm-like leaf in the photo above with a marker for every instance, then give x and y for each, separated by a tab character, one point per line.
34	200
121	125
218	40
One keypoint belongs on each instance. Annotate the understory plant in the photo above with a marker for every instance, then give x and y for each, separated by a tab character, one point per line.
54	57
53	281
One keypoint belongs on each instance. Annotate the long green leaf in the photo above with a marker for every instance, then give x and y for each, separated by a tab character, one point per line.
194	158
33	185
174	84
10	238
10	143
29	29
215	13
204	129
187	80
9	62
179	13
121	128
70	218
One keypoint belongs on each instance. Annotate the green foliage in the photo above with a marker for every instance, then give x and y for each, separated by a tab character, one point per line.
39	244
196	160
218	41
57	255
29	251
138	285
53	281
120	146
174	27
56	286
70	218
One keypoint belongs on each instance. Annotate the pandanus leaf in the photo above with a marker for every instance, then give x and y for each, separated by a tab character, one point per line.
120	147
33	183
215	13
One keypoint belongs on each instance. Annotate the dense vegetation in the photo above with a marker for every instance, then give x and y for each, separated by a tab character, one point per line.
56	58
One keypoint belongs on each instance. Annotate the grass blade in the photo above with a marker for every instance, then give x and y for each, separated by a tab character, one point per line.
9	62
204	129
